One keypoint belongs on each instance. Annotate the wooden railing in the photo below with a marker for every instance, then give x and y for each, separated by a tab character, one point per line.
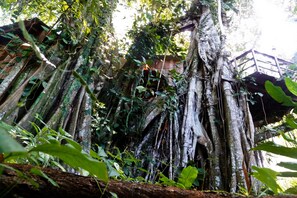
253	61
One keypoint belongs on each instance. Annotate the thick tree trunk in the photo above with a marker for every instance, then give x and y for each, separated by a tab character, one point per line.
228	122
212	126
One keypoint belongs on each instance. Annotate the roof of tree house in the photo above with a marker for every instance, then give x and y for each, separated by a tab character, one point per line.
34	26
12	42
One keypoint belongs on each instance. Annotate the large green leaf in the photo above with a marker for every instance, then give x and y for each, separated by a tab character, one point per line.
278	94
277	149
7	143
292	190
74	158
188	176
288	165
268	177
291	85
288	174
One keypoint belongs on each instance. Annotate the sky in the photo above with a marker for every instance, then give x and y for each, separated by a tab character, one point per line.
278	29
123	19
3	18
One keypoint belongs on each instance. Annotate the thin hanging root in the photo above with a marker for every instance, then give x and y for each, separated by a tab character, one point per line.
222	29
246	176
84	83
170	146
157	139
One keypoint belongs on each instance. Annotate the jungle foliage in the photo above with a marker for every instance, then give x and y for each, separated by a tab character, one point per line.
269	176
140	123
46	149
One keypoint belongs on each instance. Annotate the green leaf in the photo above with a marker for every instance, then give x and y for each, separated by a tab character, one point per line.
288	174
10	157
292	190
75	159
291	85
277	149
188	176
141	89
288	138
11	35
40	173
180	185
290	120
74	144
101	152
44	84
166	181
278	94
137	62
288	165
45	28
268	177
7	143
18	59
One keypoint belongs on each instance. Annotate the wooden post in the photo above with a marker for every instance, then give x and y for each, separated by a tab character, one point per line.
255	60
277	65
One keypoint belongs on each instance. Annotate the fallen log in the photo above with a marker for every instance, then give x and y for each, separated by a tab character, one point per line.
71	185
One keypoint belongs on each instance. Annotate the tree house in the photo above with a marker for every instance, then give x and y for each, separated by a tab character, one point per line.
13	43
164	65
167	63
254	68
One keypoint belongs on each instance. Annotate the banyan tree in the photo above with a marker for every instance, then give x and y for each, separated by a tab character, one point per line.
194	114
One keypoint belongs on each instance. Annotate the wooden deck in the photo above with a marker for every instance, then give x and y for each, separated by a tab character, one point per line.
255	68
253	61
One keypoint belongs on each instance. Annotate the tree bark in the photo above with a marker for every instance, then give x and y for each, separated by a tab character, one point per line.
71	185
213	127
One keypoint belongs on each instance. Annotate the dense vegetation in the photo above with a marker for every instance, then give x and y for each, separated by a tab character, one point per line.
187	129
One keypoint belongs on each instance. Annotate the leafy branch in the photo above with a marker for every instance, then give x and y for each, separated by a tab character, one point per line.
266	175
